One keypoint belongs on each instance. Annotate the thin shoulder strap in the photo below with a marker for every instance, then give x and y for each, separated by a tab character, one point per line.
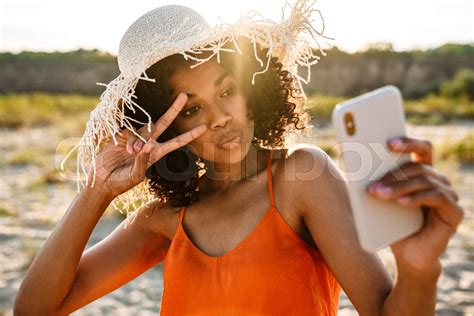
270	180
181	215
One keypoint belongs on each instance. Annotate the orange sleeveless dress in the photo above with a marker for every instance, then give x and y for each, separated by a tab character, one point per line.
271	272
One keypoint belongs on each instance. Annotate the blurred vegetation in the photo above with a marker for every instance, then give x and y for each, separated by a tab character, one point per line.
26	157
80	55
431	110
56	72
376	48
320	106
7	212
435	109
462	85
455	100
437	84
42	109
417	73
445	50
39	109
461	151
450	50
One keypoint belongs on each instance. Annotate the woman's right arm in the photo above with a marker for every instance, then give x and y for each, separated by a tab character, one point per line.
61	279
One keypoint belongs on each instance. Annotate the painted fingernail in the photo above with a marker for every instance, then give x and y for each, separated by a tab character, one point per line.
380	189
394	142
136	146
375	186
384	191
403	200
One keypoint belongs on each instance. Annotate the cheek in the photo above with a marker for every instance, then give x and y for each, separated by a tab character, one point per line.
246	123
251	127
240	111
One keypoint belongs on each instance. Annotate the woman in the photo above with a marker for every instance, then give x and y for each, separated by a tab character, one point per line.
248	235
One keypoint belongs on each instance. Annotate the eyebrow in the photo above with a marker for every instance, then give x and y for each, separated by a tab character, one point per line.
216	83
220	79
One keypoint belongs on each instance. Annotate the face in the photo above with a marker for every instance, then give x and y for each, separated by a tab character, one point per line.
214	99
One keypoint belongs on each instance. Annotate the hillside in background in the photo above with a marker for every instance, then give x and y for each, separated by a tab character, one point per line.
70	72
417	73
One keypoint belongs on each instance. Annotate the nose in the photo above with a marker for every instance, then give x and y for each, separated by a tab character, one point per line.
219	117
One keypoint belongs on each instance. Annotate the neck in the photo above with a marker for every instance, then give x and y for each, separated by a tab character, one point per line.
221	177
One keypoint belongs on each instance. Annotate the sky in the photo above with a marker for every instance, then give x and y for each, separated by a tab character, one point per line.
60	25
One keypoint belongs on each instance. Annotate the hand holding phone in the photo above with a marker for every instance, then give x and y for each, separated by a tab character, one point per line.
363	126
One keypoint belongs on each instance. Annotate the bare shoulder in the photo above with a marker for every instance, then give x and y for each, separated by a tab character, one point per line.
319	193
158	218
307	166
306	158
320	196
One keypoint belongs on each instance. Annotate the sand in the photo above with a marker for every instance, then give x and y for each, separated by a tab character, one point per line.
29	209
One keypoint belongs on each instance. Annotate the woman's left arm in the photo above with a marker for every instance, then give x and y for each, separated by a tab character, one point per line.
416	183
326	213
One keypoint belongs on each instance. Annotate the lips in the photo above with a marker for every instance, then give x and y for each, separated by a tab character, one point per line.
228	137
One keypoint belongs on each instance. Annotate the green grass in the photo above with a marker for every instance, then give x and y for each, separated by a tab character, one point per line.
35	109
461	151
431	110
440	109
320	106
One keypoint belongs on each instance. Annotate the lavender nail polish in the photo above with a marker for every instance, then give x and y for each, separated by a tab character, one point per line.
394	142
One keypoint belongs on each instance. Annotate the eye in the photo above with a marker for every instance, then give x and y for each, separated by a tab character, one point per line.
228	92
190	111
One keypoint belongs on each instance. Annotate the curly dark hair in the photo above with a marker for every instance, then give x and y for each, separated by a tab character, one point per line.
274	103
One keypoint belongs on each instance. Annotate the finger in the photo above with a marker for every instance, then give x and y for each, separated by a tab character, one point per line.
143	130
138	145
159	150
166	119
434	235
134	142
448	211
423	149
140	166
131	138
412	169
393	190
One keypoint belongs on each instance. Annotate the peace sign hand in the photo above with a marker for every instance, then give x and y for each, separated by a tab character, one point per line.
120	167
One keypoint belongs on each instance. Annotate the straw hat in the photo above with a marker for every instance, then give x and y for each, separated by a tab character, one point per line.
175	29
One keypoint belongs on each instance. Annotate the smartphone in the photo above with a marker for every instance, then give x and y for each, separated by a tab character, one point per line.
363	125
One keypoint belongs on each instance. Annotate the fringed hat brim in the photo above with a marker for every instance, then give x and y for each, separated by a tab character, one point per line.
293	41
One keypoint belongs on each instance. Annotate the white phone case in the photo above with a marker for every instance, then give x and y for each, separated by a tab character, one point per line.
363	126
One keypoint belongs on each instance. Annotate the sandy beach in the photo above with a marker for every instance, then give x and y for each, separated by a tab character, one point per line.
33	198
